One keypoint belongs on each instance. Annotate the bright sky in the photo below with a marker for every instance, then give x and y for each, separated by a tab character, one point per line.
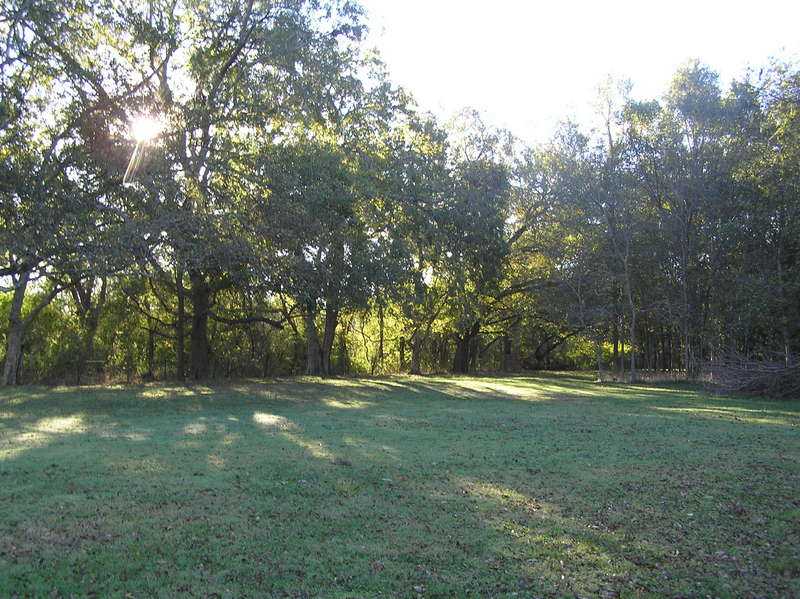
526	64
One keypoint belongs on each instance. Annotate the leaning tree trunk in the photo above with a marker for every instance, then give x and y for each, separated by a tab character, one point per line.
16	333
200	348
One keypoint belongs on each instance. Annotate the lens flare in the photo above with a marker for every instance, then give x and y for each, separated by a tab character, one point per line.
146	128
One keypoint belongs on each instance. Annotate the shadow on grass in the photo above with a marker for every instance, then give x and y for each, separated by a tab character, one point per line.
402	486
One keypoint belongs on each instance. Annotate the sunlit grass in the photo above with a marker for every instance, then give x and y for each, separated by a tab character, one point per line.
398	487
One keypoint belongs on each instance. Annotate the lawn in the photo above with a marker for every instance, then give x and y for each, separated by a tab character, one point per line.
545	486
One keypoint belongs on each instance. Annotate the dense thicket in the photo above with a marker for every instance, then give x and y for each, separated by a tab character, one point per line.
297	214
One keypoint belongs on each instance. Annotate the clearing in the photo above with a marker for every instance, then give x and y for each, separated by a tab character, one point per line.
541	486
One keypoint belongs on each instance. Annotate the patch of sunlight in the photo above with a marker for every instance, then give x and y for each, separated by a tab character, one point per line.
569	391
255	389
273	422
348	404
195	428
216	461
158	393
169	392
743	414
60	424
515	391
315	448
233	419
537	392
341	382
41	433
499	494
230	438
508	498
200	390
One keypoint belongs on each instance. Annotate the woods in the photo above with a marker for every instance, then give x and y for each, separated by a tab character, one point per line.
298	214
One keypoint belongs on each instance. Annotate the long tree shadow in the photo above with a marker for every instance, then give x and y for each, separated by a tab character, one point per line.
393	487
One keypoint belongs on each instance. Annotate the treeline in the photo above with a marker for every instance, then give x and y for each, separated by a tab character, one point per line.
296	213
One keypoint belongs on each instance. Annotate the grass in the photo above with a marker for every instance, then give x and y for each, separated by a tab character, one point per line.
547	486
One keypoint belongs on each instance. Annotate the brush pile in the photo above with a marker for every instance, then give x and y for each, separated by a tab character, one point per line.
765	376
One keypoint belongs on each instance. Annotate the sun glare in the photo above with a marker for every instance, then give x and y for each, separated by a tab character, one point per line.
146	128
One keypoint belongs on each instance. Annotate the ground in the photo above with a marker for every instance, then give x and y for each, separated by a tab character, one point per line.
544	486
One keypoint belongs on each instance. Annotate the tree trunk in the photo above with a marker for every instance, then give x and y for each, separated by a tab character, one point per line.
402	354
464	350
89	306
474	353
443	352
461	358
199	349
151	353
416	355
180	329
328	336
313	348
344	357
16	332
506	363
634	376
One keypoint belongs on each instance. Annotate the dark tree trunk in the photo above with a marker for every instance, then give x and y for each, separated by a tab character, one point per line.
402	354
474	353
464	350
180	329
443	352
16	333
344	357
151	352
89	308
416	355
199	349
506	363
598	357
328	336
381	335
461	358
313	347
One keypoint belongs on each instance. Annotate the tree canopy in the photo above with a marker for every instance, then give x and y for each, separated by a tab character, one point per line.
295	212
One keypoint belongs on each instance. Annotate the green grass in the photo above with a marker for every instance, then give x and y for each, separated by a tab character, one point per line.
544	486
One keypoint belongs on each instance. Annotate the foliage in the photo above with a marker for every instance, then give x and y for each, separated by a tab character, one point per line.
297	212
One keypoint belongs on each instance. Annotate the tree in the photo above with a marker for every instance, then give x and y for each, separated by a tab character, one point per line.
682	168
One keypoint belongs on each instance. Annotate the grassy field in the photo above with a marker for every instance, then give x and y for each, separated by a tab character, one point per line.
547	486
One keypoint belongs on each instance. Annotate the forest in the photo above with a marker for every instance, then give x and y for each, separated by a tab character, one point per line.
284	208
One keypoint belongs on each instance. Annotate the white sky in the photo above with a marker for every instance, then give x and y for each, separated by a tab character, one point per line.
526	64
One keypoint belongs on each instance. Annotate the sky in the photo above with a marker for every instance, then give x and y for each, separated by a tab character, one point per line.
526	64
